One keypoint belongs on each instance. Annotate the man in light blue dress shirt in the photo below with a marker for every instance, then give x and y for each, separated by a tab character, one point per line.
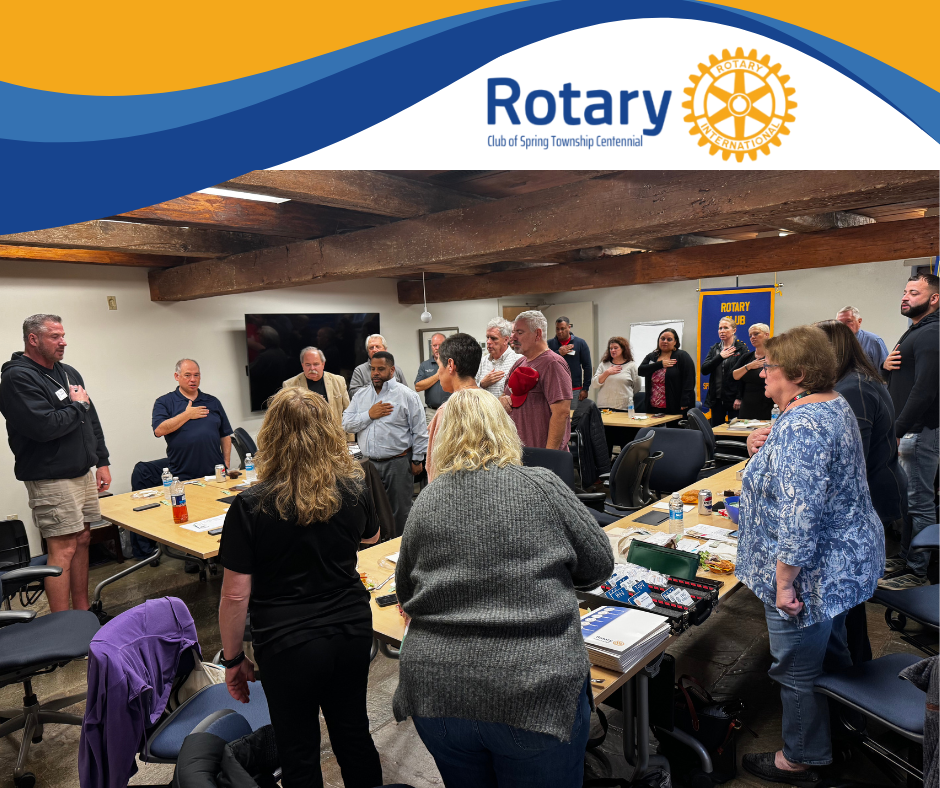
873	345
391	429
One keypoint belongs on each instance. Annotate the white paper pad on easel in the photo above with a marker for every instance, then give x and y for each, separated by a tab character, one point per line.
201	526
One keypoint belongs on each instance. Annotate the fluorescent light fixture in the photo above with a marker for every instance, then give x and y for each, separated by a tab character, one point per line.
243	195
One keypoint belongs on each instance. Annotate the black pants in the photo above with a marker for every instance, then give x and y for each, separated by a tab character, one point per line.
330	673
719	411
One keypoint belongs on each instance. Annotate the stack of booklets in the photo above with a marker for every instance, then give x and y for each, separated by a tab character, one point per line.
617	638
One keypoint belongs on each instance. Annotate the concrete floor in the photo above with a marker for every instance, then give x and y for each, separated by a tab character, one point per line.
728	654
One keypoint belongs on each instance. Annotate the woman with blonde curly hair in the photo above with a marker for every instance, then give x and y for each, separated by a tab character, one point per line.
289	551
490	559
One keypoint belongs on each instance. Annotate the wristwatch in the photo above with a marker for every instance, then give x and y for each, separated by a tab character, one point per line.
85	405
233	662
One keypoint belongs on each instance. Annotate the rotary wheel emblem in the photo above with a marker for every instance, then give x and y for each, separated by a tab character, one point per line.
739	104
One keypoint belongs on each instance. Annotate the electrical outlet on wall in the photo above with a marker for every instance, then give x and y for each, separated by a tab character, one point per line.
112	302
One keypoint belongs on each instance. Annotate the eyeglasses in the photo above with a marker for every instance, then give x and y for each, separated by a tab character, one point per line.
769	366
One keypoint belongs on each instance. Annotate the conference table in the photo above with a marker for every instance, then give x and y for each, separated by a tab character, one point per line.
725	431
388	625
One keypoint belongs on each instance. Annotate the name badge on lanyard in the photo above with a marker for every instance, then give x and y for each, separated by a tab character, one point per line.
61	394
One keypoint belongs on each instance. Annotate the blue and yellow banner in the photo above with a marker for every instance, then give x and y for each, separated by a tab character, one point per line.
745	306
118	108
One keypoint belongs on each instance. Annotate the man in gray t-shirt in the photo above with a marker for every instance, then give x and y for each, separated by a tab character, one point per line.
428	380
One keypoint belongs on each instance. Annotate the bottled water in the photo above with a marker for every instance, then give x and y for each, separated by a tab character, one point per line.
167	481
675	513
250	475
631	411
774	415
178	501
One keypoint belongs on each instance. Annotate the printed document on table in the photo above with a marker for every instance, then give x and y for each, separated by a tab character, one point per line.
200	526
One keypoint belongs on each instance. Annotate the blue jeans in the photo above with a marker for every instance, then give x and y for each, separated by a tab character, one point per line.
919	454
473	754
798	655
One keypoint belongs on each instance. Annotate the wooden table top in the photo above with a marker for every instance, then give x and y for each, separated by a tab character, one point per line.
388	625
725	431
622	419
202	502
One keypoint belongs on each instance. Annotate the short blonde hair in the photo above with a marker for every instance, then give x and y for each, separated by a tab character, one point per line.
729	321
806	351
475	434
762	327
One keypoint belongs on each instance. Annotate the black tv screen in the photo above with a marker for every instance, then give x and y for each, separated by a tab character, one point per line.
274	343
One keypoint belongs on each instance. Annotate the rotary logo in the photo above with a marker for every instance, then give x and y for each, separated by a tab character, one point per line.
739	104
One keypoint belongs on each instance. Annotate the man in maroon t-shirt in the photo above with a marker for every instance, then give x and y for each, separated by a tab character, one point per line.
540	406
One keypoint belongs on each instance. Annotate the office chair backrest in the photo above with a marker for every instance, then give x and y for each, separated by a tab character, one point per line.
627	476
683	457
14	546
559	462
697	421
148	473
244	444
639	402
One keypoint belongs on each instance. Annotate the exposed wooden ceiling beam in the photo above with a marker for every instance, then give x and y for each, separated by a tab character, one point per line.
289	219
602	212
870	243
92	256
357	190
834	220
142	239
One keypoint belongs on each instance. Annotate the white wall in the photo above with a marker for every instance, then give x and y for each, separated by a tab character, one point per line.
126	356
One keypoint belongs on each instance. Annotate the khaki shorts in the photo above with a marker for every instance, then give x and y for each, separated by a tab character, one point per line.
63	506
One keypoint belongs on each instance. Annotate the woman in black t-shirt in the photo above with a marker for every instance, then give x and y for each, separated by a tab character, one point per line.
289	551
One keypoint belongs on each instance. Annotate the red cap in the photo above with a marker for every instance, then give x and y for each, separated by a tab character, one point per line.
521	381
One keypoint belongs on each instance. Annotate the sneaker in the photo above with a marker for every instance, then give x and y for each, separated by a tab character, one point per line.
902	582
894	566
761	764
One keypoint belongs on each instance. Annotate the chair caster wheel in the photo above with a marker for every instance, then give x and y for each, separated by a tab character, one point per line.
26	780
202	576
155	563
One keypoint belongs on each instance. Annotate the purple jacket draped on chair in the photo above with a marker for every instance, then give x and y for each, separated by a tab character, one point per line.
132	663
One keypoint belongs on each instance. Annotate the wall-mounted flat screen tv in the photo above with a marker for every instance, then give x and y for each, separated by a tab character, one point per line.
274	343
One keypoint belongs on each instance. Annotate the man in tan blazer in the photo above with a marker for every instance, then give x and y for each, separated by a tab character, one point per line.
329	386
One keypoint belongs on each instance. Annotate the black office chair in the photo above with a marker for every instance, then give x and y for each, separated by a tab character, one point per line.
719	452
683	458
244	444
639	402
29	647
14	554
561	464
920	604
629	480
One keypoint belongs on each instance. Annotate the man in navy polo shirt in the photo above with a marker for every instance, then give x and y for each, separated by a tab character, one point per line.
198	435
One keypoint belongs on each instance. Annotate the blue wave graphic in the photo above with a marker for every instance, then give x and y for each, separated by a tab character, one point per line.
260	121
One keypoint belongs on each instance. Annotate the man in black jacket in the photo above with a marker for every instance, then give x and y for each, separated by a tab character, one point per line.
913	369
56	439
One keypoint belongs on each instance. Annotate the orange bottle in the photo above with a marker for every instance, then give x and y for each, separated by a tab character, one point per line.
178	501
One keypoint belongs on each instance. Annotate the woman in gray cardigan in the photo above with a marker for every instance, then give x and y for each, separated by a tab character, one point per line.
493	666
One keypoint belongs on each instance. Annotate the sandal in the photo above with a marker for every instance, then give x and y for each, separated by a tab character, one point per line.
761	764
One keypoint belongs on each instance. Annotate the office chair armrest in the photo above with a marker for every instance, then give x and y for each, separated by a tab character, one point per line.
620	508
732	445
28	574
593	500
8	617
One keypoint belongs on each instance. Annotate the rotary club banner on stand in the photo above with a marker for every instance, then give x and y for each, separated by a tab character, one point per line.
745	306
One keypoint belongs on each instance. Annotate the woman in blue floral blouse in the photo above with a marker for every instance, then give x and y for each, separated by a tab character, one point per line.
811	545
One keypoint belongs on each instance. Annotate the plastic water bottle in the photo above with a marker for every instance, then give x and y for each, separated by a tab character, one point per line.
631	411
774	415
250	475
178	501
675	513
167	482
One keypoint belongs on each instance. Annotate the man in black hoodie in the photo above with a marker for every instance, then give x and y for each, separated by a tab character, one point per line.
913	369
56	439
